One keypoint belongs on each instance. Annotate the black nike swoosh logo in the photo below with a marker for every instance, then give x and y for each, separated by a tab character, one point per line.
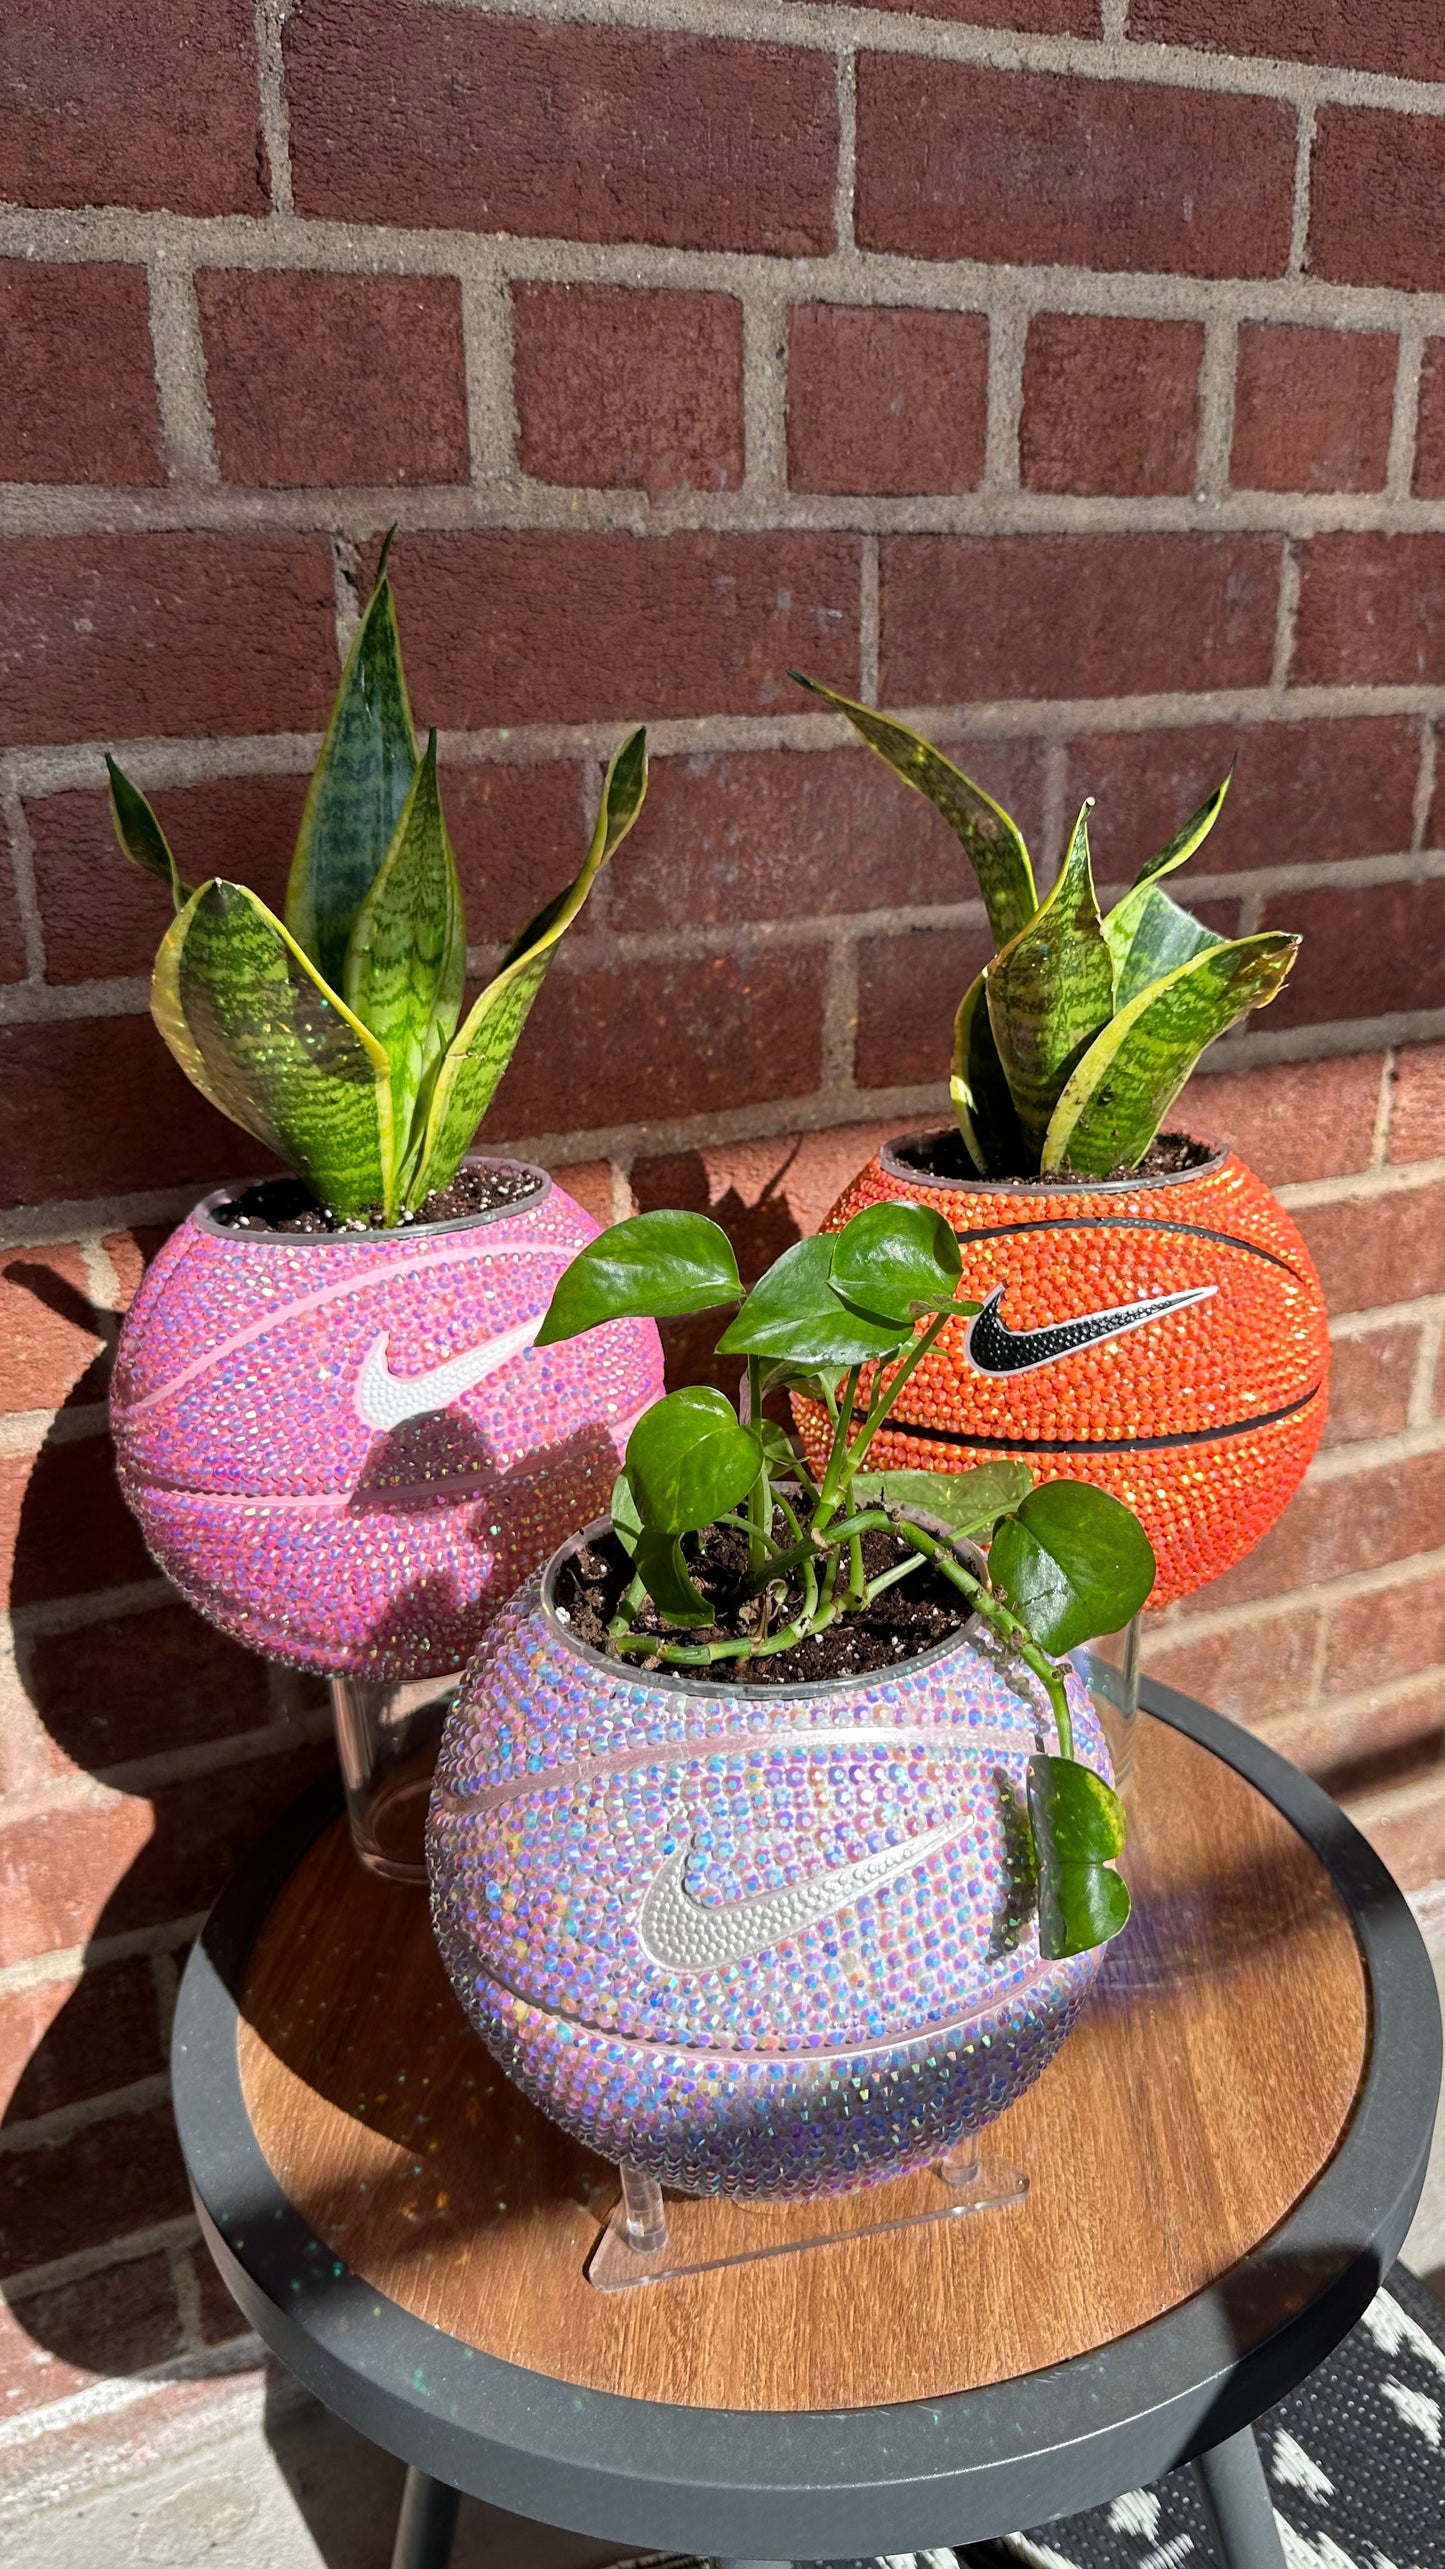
993	1348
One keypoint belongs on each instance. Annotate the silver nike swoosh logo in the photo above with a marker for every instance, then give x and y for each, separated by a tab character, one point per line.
385	1400
680	1933
993	1348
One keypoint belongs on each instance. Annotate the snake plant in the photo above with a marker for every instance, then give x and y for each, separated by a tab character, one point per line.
335	1034
1074	1041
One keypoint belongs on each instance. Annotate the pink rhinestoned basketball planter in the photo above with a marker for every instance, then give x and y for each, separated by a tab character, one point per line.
775	1942
345	1449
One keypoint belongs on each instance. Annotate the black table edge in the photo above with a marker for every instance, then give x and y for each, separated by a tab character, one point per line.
808	2484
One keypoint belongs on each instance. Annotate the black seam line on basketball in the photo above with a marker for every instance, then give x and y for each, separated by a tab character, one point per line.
1096	1444
1127	1222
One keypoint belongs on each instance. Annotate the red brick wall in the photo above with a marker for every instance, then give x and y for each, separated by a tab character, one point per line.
1069	372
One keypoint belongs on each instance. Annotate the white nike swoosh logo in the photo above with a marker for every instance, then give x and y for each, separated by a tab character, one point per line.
680	1933
993	1348
385	1400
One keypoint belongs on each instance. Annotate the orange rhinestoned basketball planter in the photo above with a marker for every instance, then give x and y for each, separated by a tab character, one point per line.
1163	1337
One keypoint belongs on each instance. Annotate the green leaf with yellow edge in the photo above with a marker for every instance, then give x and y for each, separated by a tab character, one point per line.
1051	991
249	1018
1163	936
355	797
140	834
1148	934
406	961
992	842
472	1068
982	1101
1178	850
1077	1822
1113	1103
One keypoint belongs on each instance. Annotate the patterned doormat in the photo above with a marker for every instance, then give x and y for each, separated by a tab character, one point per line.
1355	2460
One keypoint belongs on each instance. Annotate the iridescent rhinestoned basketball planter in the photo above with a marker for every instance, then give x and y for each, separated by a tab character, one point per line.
758	1942
1165	1339
345	1449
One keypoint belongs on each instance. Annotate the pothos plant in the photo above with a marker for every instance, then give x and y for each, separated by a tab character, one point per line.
335	1034
838	1316
1073	1042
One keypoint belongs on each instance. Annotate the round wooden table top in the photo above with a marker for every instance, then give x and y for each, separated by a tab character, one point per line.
1198	2100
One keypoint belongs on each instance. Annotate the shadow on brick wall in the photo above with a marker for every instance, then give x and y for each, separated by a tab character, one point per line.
157	1752
759	1230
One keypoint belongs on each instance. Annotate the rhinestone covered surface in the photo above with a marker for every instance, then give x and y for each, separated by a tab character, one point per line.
687	1924
1237	1380
283	1513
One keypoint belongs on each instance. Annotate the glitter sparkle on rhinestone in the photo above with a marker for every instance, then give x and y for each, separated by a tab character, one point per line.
1258	1346
863	2042
300	1529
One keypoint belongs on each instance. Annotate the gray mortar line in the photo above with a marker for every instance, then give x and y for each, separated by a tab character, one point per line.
863	276
1384	1111
24	1431
180	374
1348	1326
1286	617
1007	344
517	506
869	620
146	1775
151	763
22	866
486	296
593	948
43	1003
823	29
1421	1408
1216	409
23	2282
1424	787
765	395
1400	467
345	593
49	1615
186	2285
1056	819
155	764
840	1015
271	16
71	1962
43	2131
846	180
1300	208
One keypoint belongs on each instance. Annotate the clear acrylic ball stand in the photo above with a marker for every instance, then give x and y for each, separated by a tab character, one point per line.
387	1737
647	2240
1109	1668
